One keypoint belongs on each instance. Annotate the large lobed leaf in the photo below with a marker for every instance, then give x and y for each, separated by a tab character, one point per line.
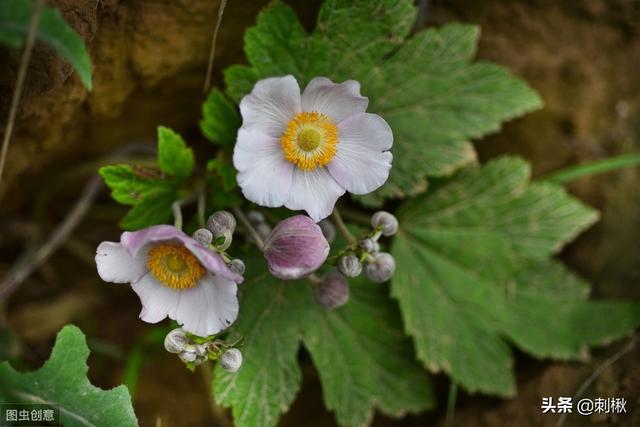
473	271
362	356
15	18
427	87
62	381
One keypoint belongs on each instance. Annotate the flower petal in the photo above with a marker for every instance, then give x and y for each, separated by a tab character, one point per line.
314	191
270	105
263	173
157	300
136	243
361	165
208	308
116	265
338	101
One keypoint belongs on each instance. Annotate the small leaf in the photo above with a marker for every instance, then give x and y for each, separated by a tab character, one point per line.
15	17
473	269
129	187
220	119
174	157
154	209
363	358
62	381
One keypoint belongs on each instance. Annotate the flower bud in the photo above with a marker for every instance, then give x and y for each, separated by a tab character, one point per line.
221	222
231	360
295	248
255	218
175	341
263	229
328	230
370	246
350	266
203	236
237	266
386	221
332	291
381	268
188	356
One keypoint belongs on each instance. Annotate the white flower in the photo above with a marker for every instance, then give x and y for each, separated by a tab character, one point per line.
304	151
174	275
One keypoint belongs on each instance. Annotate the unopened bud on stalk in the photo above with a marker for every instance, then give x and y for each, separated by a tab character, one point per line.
332	291
381	268
231	360
175	341
328	230
255	218
385	221
370	246
188	356
203	236
237	266
295	248
350	266
220	223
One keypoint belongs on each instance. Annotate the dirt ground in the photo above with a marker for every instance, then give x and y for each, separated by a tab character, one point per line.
149	58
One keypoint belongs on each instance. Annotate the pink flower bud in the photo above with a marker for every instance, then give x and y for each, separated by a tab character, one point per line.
295	248
332	291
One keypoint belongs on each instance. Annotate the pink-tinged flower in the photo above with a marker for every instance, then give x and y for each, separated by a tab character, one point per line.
305	150
174	276
295	248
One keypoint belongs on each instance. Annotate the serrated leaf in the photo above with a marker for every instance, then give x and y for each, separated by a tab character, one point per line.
220	119
15	17
129	187
473	268
427	87
62	381
174	157
363	358
154	209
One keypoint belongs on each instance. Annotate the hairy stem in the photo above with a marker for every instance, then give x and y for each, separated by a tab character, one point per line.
249	228
341	226
22	75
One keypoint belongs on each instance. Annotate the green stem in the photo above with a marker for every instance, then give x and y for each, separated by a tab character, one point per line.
451	401
249	228
593	168
341	226
202	203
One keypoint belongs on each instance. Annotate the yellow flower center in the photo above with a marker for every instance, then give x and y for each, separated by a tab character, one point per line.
310	140
175	266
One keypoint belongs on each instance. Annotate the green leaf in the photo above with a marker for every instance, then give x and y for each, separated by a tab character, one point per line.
220	119
62	381
473	268
174	157
15	17
155	208
129	185
361	354
427	87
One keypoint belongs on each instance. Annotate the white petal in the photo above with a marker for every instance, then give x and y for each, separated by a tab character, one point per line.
157	300
270	105
361	165
314	191
263	173
116	265
208	308
338	101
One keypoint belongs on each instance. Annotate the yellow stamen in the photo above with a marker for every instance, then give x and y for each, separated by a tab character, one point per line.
310	140
175	266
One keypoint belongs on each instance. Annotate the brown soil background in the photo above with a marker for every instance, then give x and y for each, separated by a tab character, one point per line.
149	60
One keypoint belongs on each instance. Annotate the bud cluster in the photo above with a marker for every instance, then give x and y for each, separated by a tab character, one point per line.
194	350
218	237
365	254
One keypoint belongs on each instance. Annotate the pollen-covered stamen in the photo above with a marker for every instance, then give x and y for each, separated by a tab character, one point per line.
310	140
175	266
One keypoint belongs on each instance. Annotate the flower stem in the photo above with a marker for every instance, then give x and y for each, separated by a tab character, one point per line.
593	168
22	75
249	228
176	208
337	220
214	37
202	204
